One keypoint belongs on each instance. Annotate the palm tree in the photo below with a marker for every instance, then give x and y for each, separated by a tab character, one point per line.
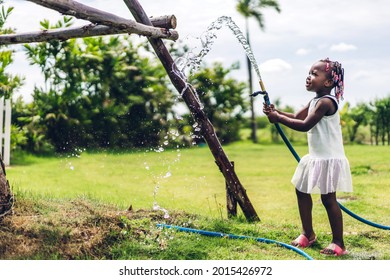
248	9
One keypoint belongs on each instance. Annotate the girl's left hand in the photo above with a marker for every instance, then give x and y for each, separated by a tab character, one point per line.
268	108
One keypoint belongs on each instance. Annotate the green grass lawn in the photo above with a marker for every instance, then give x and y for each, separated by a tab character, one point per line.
189	180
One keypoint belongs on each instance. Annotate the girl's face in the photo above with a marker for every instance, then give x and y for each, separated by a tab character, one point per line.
317	80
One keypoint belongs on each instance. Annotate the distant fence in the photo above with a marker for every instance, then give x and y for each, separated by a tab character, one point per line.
5	129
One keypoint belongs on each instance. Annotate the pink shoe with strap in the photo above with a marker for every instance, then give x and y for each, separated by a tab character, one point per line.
334	250
303	242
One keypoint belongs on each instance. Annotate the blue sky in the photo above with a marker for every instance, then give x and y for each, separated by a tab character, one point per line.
354	32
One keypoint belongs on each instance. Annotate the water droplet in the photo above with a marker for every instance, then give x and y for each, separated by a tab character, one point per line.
159	150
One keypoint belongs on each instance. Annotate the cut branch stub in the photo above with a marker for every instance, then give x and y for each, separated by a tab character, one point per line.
168	22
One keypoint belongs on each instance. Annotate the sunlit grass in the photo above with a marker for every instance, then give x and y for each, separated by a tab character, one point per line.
189	180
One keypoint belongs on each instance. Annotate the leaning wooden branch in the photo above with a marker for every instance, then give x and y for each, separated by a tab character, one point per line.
80	11
77	32
189	96
58	34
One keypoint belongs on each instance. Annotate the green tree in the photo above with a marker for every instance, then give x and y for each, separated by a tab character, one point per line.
381	120
27	120
8	82
353	118
253	9
99	92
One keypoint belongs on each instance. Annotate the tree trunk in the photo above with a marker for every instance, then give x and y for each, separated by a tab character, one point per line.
207	129
6	197
231	202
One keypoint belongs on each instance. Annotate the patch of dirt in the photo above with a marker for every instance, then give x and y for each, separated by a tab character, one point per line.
68	229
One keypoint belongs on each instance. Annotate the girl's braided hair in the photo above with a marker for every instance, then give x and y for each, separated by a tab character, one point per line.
336	73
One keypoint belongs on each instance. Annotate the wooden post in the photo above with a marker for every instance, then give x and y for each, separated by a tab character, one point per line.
231	202
207	129
6	197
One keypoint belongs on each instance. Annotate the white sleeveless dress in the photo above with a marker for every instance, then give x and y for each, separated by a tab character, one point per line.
325	169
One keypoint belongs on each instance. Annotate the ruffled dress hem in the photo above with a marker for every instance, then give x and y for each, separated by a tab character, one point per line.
322	175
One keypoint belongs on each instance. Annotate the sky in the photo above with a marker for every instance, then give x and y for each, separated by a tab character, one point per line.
353	32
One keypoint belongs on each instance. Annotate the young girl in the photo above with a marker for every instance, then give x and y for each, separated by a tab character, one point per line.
325	169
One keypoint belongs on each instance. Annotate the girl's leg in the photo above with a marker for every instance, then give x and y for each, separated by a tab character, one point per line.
335	218
305	205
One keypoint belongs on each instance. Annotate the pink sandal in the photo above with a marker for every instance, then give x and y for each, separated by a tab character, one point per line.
303	242
334	250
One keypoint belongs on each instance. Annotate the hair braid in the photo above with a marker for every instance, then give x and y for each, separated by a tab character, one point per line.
336	74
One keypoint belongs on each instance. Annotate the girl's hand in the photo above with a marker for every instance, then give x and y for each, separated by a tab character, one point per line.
268	108
272	114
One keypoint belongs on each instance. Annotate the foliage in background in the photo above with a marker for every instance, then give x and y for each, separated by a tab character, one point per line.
8	82
108	92
99	92
367	122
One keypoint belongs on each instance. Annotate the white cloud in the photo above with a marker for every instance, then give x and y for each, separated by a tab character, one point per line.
302	51
275	65
343	47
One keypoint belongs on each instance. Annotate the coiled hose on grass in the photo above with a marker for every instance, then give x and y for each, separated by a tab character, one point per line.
233	236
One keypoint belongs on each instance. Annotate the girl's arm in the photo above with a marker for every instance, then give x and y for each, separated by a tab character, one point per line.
323	106
301	114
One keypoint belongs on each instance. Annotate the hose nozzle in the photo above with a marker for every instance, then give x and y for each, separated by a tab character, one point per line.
264	93
256	93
